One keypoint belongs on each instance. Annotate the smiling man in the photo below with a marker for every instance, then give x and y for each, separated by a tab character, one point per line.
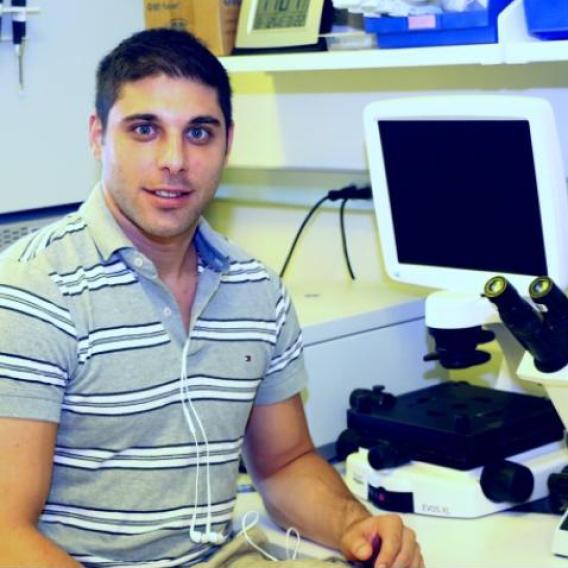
141	353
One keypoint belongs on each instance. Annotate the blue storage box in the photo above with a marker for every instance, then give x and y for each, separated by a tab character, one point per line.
547	19
450	28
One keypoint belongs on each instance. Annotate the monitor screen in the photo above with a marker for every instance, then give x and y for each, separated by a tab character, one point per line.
476	180
466	187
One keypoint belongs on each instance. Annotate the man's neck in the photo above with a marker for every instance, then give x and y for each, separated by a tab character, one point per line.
173	257
176	263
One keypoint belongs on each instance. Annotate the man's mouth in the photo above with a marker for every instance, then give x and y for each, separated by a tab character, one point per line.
169	193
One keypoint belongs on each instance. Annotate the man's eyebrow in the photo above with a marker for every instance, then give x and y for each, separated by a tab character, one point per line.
206	119
150	117
147	117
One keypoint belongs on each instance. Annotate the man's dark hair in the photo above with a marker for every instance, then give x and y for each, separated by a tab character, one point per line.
152	52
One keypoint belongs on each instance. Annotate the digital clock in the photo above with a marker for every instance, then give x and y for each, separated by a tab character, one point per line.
278	23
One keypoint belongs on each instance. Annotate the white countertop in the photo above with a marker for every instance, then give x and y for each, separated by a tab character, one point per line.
502	540
334	309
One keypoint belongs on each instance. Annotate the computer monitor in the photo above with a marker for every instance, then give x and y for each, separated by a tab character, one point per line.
467	187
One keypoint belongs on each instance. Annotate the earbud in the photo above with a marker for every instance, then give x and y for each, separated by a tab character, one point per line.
197	537
216	538
206	537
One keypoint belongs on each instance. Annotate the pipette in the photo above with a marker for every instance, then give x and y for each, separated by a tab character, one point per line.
19	36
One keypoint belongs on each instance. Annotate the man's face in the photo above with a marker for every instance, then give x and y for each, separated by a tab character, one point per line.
162	155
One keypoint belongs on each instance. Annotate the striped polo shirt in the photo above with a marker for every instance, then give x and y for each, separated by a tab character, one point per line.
92	339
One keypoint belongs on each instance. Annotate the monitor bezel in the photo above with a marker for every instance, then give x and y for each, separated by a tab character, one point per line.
549	172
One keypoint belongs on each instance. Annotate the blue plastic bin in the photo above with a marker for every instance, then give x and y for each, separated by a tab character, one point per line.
547	19
451	28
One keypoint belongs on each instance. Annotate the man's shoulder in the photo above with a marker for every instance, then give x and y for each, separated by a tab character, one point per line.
47	238
243	273
60	246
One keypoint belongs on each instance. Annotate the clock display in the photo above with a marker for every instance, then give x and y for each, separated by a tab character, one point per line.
280	14
274	24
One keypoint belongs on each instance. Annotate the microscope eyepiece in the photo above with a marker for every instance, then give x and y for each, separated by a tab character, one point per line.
495	287
520	318
544	336
544	291
541	287
511	306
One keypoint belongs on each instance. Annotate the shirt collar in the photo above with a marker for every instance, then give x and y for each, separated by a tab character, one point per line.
103	227
212	249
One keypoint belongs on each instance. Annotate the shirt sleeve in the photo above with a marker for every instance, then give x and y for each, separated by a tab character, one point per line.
38	343
286	374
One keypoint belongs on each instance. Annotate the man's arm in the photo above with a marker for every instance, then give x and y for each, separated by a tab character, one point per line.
302	490
26	461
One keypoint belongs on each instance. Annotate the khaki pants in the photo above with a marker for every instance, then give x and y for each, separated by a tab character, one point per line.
238	553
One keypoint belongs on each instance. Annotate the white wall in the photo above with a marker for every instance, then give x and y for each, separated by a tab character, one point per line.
316	119
44	155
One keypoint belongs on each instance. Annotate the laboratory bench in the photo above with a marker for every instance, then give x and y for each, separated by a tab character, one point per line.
358	334
501	540
379	330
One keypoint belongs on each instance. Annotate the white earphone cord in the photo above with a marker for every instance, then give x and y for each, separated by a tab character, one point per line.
209	536
246	526
183	394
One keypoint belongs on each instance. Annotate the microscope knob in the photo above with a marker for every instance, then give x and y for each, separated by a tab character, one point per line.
385	455
348	442
507	481
361	400
557	484
383	400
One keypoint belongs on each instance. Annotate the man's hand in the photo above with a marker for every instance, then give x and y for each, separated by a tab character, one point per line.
382	542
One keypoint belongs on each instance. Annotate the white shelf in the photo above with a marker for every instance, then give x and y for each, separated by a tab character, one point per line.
536	52
515	46
520	47
490	54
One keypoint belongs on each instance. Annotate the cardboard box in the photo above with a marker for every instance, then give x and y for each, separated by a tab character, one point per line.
212	21
176	14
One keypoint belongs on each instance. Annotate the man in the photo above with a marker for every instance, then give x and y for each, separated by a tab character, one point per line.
140	351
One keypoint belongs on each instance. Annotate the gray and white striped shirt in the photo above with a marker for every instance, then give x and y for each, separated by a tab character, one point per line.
91	338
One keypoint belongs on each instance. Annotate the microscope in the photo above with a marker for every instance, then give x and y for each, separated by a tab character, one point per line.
467	187
455	449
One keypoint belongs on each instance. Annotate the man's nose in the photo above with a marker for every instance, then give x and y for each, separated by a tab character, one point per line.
172	156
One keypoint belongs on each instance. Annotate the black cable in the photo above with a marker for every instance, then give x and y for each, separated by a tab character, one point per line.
344	237
345	193
302	226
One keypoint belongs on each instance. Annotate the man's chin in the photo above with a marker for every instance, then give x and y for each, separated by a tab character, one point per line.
164	235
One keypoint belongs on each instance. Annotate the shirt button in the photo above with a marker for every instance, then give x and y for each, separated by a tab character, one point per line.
167	312
139	262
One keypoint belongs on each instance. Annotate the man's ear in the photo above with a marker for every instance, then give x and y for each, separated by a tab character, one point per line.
96	135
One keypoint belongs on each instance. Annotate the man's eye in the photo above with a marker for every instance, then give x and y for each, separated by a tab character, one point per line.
144	130
198	133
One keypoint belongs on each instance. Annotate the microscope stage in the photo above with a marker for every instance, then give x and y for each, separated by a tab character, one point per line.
456	424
